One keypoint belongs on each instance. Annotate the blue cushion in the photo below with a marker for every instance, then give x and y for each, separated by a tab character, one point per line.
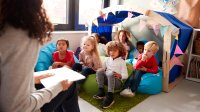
131	61
151	83
45	57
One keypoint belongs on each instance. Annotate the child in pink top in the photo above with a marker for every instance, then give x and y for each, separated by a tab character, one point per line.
89	57
62	57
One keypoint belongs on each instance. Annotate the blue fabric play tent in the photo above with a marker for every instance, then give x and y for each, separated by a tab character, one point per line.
104	28
183	41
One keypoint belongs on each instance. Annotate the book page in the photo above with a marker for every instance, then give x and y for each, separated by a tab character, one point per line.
60	74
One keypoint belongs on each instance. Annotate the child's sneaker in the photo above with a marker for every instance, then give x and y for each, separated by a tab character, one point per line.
108	101
100	94
127	93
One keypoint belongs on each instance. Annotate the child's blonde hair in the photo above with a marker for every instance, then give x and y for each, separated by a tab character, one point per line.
112	45
93	41
152	45
97	36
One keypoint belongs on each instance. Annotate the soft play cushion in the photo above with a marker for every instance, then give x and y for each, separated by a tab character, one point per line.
151	83
45	57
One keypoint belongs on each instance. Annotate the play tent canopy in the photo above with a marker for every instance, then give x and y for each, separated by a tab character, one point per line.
175	34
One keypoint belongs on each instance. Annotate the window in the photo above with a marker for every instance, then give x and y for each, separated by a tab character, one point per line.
72	14
84	10
60	13
58	8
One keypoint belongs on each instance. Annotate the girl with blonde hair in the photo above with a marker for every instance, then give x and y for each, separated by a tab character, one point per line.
89	57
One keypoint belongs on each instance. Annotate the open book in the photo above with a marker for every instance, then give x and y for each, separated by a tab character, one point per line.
60	74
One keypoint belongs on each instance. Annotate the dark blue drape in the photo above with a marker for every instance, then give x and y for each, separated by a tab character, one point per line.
183	41
105	31
105	26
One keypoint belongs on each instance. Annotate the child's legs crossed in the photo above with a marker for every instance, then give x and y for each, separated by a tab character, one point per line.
100	77
127	83
113	83
136	80
86	71
77	67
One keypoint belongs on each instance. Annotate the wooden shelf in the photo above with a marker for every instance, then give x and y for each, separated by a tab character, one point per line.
191	61
193	79
195	55
197	29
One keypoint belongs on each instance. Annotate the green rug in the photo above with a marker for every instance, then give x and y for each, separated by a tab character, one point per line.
122	104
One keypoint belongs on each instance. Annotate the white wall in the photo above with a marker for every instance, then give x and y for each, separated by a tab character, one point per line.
140	3
74	37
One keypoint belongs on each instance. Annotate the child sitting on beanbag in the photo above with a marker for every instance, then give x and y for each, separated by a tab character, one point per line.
146	64
113	72
62	57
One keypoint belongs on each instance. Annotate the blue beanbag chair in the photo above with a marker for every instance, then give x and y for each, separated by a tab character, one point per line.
151	83
45	57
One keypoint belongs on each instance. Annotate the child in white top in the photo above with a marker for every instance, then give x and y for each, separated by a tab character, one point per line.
139	49
113	72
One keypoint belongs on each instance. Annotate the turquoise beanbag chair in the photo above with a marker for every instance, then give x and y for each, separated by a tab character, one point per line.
151	83
45	57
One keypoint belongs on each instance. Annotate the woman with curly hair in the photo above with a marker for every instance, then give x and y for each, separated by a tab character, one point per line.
113	72
24	26
124	37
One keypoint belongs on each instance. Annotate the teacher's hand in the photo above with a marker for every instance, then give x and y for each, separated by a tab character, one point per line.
66	84
39	77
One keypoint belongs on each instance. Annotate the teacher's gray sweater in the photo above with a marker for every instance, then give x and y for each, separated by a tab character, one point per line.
18	56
